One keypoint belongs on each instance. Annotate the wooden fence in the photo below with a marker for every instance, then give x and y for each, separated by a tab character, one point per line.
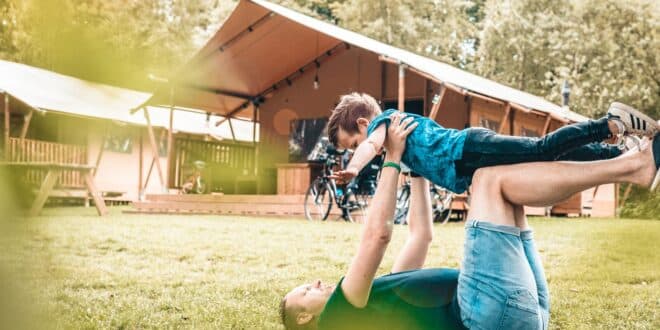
34	151
224	161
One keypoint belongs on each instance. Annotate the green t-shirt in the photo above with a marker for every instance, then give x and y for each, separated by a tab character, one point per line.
416	299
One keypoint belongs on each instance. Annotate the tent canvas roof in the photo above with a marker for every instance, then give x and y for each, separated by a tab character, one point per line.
46	90
279	41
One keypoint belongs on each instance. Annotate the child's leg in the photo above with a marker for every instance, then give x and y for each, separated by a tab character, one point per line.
591	152
485	148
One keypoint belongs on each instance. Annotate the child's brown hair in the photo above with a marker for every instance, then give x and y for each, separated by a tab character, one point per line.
345	115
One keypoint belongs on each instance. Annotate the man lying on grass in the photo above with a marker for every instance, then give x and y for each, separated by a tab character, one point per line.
501	284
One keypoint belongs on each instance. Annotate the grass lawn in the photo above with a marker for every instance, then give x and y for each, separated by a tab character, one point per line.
77	270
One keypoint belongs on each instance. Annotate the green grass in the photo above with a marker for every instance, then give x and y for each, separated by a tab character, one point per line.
77	270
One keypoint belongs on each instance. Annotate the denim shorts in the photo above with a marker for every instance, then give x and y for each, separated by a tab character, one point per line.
497	286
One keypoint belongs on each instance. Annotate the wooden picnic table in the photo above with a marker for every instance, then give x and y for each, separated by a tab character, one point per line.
54	170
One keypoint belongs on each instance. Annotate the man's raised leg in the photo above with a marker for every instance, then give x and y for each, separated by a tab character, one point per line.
541	184
534	260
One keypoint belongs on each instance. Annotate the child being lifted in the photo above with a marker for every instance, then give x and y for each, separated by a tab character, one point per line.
449	157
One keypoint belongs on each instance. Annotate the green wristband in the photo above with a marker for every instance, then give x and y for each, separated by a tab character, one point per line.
392	164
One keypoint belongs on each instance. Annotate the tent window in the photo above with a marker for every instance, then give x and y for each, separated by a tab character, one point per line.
491	124
524	131
119	140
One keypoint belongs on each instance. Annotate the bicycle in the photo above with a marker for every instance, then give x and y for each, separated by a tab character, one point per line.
323	192
441	200
195	184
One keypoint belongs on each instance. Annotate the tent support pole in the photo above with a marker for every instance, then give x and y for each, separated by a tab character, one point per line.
26	124
383	80
546	126
170	140
154	148
468	100
402	87
505	118
100	154
426	97
436	105
140	161
231	128
146	181
6	136
255	118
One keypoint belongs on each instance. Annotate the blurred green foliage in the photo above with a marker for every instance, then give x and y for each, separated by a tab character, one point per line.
117	42
641	204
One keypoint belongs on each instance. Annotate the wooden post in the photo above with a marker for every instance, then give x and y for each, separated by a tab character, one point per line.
100	154
146	181
26	124
436	106
231	128
255	119
425	110
140	161
505	118
154	148
6	137
170	141
46	187
468	99
402	87
383	80
254	124
99	203
626	193
546	126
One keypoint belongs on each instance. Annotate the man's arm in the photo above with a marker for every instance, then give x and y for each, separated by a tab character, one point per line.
364	153
377	231
420	228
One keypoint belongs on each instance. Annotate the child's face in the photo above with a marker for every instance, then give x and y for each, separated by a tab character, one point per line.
347	140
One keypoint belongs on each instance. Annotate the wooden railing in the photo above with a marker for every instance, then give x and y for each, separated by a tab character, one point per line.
34	151
225	161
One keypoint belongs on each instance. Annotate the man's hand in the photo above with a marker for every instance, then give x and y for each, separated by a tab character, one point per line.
344	176
398	132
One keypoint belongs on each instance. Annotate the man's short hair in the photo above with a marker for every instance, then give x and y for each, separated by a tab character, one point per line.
289	316
345	115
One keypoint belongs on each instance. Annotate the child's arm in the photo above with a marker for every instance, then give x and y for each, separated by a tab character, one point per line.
364	153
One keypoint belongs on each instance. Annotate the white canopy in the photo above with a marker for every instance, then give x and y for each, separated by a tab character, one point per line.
49	91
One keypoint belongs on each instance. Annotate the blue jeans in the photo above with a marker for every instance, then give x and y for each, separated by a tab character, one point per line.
577	142
502	284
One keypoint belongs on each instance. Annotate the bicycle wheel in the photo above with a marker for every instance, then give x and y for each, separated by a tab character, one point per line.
318	200
442	200
402	204
353	208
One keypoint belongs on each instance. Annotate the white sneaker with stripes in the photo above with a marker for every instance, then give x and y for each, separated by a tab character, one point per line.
634	121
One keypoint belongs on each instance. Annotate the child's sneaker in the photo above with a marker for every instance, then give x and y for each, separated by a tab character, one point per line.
634	121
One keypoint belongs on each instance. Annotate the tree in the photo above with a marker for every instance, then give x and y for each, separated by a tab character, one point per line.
117	42
607	50
7	29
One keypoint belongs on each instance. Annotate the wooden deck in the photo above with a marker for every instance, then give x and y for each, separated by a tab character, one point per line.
248	205
255	205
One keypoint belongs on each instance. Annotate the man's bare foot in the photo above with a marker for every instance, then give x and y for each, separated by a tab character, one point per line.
641	163
646	173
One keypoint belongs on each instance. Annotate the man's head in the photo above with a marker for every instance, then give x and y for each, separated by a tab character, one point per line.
302	306
348	123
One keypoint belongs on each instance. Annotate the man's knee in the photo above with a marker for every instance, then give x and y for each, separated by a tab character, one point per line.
486	180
